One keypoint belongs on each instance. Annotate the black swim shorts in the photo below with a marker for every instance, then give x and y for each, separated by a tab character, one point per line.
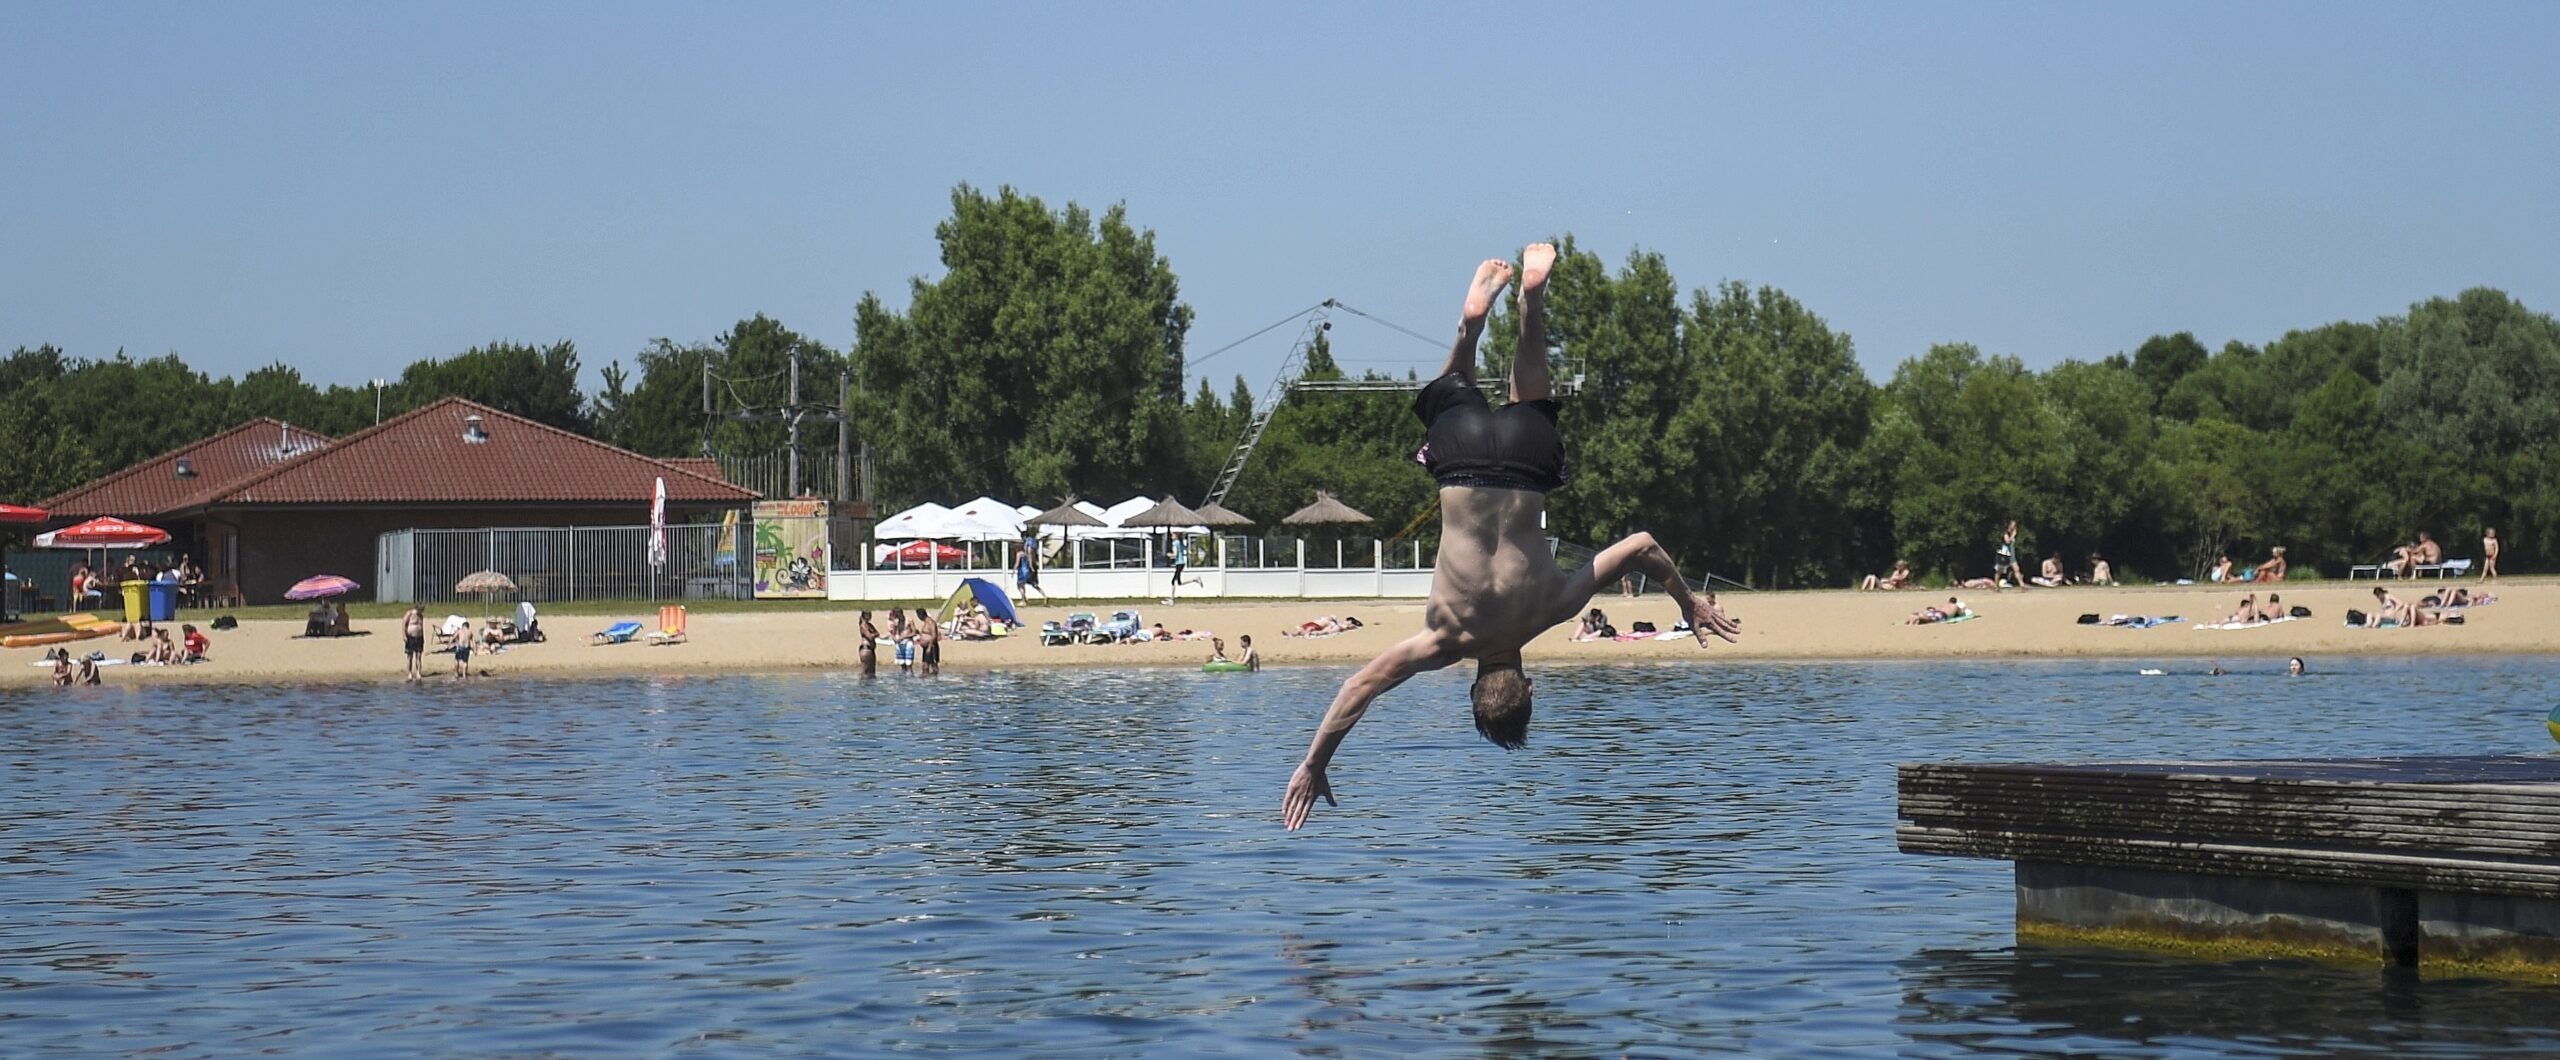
1468	442
416	644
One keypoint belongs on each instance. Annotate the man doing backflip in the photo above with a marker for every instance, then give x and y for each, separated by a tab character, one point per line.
1495	585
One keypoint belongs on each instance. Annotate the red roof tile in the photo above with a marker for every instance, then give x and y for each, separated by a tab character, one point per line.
707	467
154	487
421	457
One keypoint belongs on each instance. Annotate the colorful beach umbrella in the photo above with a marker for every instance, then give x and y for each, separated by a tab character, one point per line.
488	584
107	532
320	586
487	581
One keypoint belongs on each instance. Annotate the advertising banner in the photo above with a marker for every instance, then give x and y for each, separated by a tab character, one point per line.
791	549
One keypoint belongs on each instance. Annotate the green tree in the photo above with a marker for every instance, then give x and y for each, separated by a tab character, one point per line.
1046	360
537	383
2162	360
1776	410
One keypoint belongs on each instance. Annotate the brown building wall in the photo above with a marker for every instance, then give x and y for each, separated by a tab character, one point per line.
279	547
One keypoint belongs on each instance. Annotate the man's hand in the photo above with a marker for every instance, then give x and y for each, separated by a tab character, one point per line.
1708	618
1303	789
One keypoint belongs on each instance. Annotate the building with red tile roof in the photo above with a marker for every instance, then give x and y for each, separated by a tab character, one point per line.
267	505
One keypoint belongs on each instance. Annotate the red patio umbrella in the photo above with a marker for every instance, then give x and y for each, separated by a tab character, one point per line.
14	513
920	553
108	532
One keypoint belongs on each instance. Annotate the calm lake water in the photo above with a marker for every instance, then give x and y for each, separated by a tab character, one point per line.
1687	859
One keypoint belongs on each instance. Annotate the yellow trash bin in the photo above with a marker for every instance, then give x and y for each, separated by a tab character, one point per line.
135	591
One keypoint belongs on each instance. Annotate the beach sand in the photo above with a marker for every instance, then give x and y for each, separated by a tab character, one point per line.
1816	625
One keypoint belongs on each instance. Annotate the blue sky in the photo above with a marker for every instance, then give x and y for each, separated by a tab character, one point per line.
350	187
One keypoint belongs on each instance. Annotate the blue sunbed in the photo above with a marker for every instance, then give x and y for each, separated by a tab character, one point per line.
618	633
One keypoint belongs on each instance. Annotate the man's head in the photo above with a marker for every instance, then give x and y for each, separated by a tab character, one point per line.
1501	696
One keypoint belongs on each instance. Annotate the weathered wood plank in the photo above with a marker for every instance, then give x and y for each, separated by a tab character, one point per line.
2522	879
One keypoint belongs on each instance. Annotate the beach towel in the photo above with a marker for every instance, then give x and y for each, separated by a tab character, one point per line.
2142	621
2243	625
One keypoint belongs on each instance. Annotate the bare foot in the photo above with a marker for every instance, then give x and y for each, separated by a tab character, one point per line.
1488	284
1707	619
1535	263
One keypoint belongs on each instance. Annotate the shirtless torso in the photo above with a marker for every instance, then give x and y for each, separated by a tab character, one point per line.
1495	585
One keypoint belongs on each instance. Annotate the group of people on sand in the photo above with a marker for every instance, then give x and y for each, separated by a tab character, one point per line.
2272	570
2251	612
159	648
2005	571
2406	560
2433	609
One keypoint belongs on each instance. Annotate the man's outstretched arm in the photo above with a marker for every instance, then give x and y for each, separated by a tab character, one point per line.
1639	552
1419	653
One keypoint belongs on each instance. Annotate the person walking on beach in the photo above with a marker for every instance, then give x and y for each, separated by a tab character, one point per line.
1496	585
1181	549
2489	554
413	641
1026	568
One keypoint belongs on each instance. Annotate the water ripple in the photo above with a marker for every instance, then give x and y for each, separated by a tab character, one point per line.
1688	860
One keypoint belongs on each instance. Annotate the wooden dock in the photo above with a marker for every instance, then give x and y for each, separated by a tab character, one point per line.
2449	864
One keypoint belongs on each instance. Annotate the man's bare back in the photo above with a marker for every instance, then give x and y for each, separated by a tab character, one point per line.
1495	585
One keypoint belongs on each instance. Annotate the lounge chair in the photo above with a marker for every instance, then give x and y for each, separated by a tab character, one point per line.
1080	629
670	625
1054	633
1123	625
617	633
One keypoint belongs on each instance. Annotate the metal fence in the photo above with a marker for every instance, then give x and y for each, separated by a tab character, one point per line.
551	564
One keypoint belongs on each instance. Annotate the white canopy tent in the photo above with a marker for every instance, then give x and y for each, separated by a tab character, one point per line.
986	519
927	520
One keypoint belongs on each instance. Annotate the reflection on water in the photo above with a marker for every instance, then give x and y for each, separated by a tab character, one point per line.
1687	859
2052	999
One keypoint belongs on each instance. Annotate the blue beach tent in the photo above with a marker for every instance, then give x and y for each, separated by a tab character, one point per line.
999	606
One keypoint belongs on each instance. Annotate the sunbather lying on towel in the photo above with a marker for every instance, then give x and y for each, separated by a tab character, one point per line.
1324	626
1952	609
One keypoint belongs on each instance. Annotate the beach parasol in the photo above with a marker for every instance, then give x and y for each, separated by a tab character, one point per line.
487	583
1325	510
107	532
320	586
1168	513
1216	516
1064	515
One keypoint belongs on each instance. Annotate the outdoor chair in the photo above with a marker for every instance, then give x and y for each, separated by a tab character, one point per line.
617	633
670	625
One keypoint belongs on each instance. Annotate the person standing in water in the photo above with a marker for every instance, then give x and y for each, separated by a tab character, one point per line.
869	650
413	641
1496	585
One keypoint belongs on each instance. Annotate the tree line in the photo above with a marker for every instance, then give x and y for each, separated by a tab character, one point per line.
1048	360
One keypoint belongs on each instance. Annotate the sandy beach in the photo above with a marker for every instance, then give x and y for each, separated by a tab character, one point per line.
1814	625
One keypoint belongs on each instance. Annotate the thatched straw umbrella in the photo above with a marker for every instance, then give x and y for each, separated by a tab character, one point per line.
1215	516
1064	515
1326	511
